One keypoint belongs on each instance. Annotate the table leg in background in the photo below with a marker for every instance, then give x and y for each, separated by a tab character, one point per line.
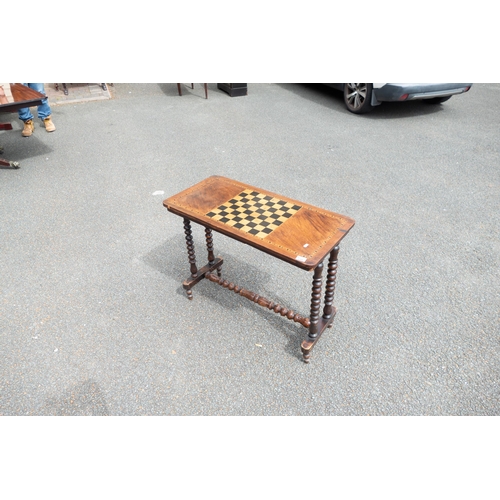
210	249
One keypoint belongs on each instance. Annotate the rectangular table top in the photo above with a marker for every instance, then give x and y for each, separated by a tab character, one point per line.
19	96
291	230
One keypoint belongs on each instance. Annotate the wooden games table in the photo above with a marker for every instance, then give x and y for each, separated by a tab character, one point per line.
295	232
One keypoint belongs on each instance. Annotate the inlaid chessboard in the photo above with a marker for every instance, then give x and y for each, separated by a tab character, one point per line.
291	230
255	213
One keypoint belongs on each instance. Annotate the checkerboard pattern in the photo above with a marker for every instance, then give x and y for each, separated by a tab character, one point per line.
254	213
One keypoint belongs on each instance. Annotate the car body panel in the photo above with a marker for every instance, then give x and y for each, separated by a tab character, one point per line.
387	92
395	91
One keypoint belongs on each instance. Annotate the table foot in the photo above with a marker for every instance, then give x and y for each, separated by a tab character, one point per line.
200	274
308	344
11	164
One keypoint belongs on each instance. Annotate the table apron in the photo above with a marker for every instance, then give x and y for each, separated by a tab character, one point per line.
269	251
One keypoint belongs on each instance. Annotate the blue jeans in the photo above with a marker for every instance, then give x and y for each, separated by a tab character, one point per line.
43	110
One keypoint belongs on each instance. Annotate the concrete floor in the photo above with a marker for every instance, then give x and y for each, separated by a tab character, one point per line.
93	318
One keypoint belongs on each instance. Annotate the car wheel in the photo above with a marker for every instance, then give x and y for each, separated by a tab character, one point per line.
437	100
358	97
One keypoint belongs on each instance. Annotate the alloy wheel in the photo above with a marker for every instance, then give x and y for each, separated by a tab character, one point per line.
356	95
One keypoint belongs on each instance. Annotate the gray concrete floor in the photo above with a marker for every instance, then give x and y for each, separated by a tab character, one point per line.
93	318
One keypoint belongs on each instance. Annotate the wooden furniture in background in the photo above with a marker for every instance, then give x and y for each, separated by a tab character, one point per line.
298	233
17	96
65	88
205	85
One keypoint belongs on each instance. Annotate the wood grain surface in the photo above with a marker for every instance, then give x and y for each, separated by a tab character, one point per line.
304	236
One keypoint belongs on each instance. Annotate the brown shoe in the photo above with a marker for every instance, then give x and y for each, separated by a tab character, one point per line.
49	126
28	129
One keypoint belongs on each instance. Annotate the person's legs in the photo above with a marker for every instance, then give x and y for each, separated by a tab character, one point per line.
25	113
26	117
44	112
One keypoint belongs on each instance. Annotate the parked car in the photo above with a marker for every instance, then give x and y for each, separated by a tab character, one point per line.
361	97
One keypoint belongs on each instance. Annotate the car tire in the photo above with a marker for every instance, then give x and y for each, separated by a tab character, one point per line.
358	97
437	100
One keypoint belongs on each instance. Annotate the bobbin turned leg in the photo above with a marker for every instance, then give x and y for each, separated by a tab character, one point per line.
210	248
191	255
329	310
308	344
